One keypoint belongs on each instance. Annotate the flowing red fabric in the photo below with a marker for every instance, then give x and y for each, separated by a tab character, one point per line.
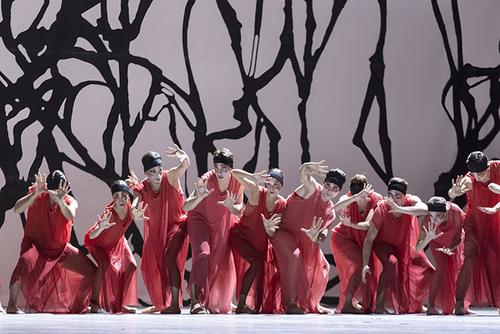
482	240
347	247
165	240
251	245
117	271
444	280
55	277
304	270
213	269
407	272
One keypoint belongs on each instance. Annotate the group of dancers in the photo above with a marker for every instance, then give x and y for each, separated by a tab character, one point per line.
264	253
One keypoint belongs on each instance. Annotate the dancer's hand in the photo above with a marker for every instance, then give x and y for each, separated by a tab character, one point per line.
359	226
363	194
176	152
229	201
393	207
132	180
314	231
430	232
490	211
344	220
138	210
316	168
366	271
459	186
261	177
40	183
201	188
103	220
445	250
58	194
271	225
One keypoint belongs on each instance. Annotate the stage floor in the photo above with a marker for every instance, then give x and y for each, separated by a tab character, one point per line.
485	321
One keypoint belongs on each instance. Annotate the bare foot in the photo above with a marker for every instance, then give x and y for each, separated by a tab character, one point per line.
130	310
13	310
357	304
172	309
150	310
294	309
351	309
381	310
96	309
431	310
198	309
324	310
460	309
245	309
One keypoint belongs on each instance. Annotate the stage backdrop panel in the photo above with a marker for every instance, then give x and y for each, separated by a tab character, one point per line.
384	88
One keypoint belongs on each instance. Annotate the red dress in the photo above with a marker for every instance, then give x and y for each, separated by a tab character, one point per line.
444	280
409	272
117	266
482	240
165	240
304	270
213	269
251	245
55	277
347	247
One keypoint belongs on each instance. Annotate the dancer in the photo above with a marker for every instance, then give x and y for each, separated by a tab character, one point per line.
116	278
479	277
302	265
213	208
443	232
357	208
393	235
165	245
257	286
52	275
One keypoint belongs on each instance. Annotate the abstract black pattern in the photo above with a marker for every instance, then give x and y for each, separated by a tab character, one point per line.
463	79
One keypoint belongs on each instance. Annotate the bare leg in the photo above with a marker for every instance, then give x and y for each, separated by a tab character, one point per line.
174	306
196	307
15	288
353	285
81	264
431	310
129	274
174	274
200	246
463	283
292	308
389	263
251	274
284	246
349	307
96	289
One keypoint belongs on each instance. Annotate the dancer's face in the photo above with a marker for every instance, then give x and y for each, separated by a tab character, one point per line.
273	186
154	174
330	190
120	199
438	217
397	196
222	171
483	176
